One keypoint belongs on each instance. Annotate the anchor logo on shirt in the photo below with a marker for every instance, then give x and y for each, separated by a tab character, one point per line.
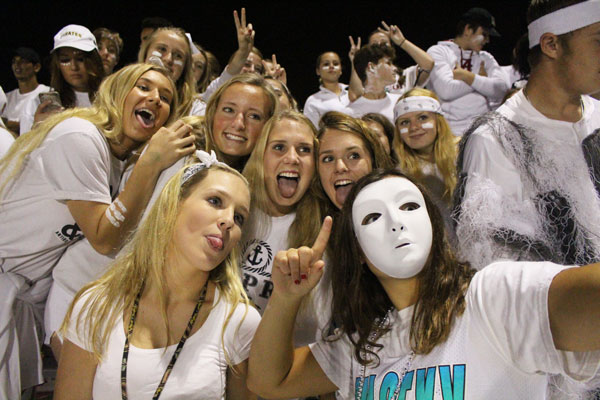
258	255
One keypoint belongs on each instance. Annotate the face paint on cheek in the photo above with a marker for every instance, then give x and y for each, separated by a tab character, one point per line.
427	125
403	130
178	62
156	53
392	227
478	39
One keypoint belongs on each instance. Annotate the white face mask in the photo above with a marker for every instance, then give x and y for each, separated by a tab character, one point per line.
393	227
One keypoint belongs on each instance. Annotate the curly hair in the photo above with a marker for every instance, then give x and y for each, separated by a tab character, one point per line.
360	302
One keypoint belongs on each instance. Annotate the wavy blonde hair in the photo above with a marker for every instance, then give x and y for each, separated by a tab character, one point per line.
106	113
444	149
144	262
186	84
306	225
213	102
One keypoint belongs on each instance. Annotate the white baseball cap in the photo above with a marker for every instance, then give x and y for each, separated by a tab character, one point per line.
76	36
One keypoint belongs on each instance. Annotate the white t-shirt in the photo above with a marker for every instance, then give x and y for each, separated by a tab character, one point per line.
82	99
16	101
74	162
384	106
500	348
497	185
6	140
198	107
324	101
461	103
257	264
200	371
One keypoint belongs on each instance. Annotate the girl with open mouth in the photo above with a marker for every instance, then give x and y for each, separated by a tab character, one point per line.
285	213
60	182
413	321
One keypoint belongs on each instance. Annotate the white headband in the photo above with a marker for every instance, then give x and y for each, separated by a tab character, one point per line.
206	161
564	20
416	103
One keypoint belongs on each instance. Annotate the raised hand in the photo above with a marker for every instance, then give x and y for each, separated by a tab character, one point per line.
245	32
354	47
393	32
275	70
296	271
169	144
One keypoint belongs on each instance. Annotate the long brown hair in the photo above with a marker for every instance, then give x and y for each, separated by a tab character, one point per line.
94	69
360	302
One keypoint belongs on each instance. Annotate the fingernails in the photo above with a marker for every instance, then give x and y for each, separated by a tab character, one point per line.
297	282
303	276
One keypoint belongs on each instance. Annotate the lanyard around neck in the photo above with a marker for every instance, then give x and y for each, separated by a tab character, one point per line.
186	334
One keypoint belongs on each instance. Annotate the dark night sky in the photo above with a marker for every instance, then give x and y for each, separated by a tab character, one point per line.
296	32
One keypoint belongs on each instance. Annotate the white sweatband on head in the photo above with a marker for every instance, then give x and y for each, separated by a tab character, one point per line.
416	103
207	160
564	20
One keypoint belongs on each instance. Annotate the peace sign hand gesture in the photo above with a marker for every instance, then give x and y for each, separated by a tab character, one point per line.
297	271
245	33
354	47
393	32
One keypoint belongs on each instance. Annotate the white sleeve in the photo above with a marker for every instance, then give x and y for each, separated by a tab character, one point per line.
215	84
310	111
410	77
6	140
240	332
26	118
494	85
442	79
77	166
509	301
485	157
335	359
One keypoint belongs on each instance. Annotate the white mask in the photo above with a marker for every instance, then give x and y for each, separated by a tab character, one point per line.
393	227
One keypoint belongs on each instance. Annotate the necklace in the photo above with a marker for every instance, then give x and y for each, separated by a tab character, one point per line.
403	371
184	337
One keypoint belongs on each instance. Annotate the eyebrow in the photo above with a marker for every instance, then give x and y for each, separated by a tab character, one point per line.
154	83
231	102
346	149
227	195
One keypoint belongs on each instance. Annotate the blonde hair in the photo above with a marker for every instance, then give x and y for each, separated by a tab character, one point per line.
213	102
143	261
444	149
186	84
106	113
306	225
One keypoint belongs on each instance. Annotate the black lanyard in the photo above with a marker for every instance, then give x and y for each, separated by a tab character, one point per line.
186	334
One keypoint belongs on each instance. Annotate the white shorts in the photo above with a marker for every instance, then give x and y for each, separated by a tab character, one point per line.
57	306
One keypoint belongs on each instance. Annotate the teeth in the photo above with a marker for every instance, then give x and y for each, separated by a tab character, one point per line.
235	137
292	175
342	182
148	113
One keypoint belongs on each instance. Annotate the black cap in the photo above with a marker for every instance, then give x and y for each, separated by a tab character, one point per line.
28	54
483	18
